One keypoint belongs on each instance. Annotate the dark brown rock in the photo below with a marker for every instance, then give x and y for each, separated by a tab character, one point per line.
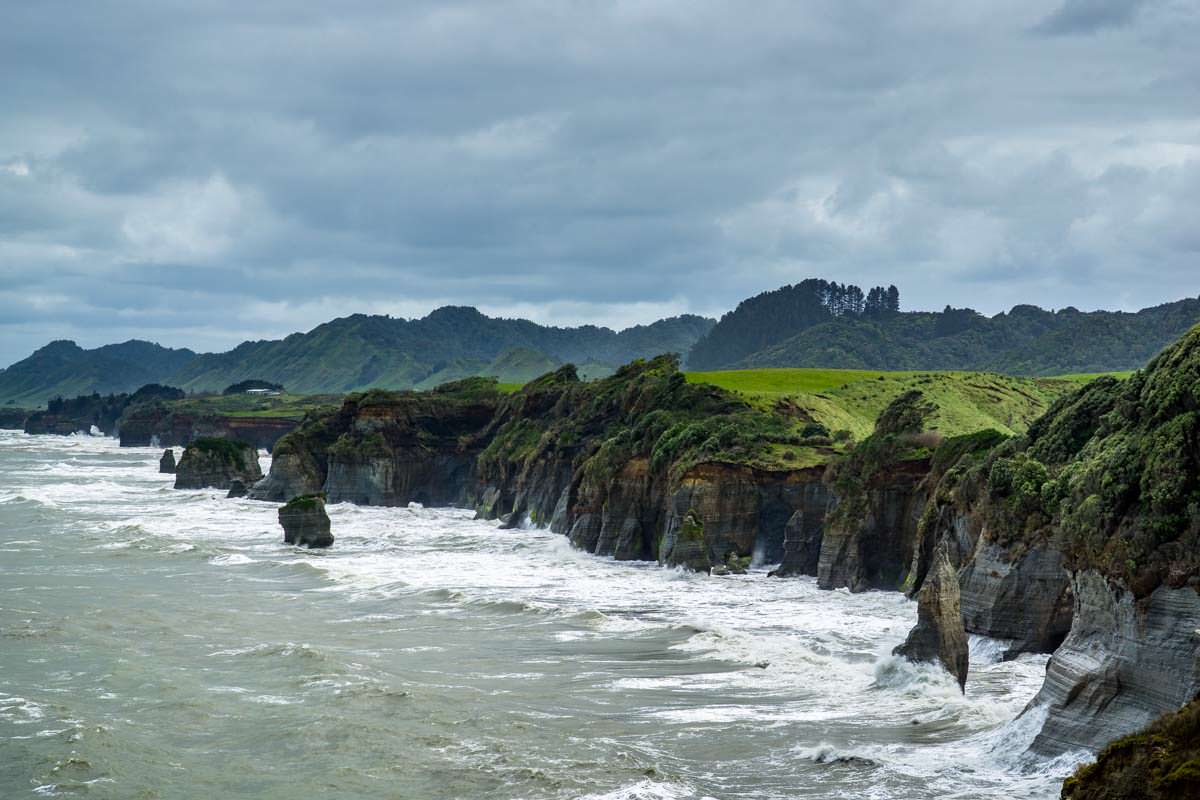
166	464
305	522
236	489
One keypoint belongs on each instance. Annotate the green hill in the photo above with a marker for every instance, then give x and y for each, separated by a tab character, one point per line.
64	369
1025	341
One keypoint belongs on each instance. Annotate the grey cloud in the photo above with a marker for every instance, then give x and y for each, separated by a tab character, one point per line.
1089	16
205	173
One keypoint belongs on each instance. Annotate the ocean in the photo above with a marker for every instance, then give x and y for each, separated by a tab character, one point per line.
157	643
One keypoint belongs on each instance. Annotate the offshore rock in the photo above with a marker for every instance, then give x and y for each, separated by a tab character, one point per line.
687	547
305	522
166	464
1124	663
216	463
939	636
236	489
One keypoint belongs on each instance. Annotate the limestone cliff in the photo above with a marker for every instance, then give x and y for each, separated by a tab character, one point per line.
158	423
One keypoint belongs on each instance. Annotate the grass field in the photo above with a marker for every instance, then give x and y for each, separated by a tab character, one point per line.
285	406
851	400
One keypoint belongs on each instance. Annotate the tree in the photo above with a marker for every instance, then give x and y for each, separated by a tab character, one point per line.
893	299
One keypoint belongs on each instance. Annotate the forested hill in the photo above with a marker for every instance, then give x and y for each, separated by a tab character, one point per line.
771	317
817	323
1025	341
64	369
354	352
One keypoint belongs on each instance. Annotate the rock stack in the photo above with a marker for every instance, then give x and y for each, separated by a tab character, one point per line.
305	522
939	636
215	463
166	464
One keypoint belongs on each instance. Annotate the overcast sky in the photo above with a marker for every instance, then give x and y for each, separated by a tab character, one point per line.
198	173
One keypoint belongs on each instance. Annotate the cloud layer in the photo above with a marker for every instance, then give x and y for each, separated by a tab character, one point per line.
203	173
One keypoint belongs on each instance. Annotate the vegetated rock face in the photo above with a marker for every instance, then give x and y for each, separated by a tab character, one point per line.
166	464
613	464
1161	762
939	636
387	448
1126	662
870	534
142	424
305	522
85	412
216	463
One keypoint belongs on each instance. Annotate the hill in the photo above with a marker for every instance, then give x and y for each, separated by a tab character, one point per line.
350	353
360	351
1025	341
64	369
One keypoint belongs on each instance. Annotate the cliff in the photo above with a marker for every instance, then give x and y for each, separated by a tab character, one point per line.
13	418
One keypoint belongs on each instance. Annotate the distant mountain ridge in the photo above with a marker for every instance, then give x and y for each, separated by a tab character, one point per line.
355	352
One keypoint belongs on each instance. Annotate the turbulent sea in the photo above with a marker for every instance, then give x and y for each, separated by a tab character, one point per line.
165	644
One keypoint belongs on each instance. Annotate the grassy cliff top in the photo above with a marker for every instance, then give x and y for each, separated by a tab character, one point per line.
284	406
851	400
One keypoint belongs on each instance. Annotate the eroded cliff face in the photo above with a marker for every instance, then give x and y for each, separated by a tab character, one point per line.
872	549
210	463
1125	662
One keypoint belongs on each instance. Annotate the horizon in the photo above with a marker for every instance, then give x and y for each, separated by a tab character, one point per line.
179	175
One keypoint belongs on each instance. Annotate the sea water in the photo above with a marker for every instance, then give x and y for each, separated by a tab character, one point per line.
157	643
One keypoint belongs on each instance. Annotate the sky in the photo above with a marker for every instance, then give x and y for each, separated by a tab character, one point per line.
204	172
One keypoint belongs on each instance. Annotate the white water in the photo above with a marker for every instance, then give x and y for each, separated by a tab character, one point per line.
493	663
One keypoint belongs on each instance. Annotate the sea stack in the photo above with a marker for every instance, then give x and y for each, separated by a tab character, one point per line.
939	635
305	522
215	463
236	488
166	464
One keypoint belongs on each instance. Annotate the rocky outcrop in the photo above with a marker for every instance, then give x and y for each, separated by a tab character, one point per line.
216	463
939	636
1161	762
294	472
166	464
1125	662
387	448
305	522
686	544
236	489
872	549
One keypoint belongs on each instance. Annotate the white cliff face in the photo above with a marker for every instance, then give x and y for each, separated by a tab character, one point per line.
1125	663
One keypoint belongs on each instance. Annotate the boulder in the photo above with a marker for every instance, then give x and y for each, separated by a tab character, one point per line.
215	463
166	464
236	488
305	522
939	636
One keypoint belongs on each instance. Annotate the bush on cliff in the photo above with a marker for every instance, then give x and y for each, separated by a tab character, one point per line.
228	450
1161	762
